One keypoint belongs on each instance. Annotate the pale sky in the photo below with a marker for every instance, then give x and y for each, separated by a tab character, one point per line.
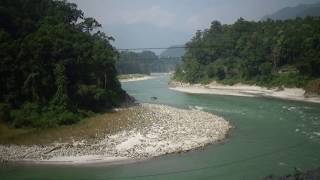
163	23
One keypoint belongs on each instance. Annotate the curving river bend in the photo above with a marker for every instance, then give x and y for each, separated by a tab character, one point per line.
270	137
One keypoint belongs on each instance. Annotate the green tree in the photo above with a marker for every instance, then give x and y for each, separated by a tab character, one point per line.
270	53
54	64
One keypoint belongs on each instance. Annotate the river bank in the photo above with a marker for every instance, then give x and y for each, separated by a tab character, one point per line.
154	130
134	77
296	94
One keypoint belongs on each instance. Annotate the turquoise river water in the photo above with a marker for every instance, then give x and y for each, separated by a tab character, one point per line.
271	136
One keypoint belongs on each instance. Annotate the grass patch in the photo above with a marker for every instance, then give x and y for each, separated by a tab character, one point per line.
88	129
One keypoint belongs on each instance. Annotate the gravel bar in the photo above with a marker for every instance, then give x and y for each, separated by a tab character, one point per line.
158	130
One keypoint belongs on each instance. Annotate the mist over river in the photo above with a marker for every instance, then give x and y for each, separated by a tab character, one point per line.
271	136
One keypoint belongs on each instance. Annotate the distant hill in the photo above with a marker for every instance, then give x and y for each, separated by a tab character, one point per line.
302	10
145	62
173	51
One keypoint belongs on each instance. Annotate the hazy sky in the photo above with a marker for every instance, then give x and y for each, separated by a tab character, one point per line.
162	23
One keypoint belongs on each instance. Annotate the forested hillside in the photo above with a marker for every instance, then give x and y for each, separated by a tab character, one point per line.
144	63
302	10
55	66
173	52
268	53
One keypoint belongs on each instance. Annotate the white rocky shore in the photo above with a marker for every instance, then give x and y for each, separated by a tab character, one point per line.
158	130
296	94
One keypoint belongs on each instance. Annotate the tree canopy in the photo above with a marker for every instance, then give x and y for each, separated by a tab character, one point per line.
268	53
55	64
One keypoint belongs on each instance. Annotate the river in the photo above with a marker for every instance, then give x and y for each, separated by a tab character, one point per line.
271	136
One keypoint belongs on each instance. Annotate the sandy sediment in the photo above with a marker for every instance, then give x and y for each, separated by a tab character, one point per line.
158	130
137	79
297	94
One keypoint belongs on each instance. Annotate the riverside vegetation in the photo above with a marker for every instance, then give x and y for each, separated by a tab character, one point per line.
56	66
266	53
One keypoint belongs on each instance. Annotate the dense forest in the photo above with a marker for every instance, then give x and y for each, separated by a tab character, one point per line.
267	53
56	66
145	62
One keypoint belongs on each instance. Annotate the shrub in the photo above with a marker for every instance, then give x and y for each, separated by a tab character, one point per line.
26	115
289	80
313	87
33	115
67	118
5	112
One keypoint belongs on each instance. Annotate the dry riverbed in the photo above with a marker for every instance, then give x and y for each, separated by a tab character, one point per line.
147	131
